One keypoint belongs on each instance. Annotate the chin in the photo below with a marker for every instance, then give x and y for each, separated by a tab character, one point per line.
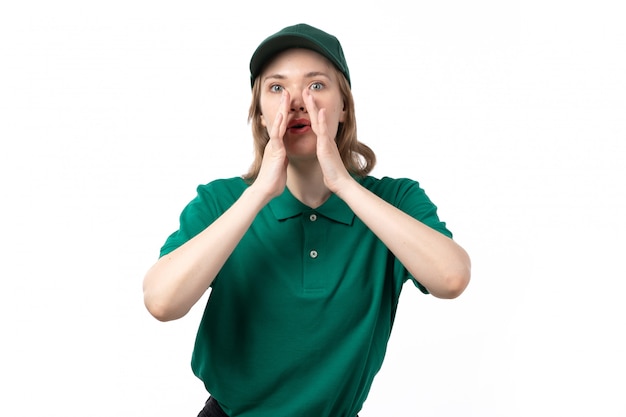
301	155
301	149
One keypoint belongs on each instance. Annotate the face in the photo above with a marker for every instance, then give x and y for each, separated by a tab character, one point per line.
295	71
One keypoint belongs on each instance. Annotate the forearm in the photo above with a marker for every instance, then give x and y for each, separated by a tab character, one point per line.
435	260
178	280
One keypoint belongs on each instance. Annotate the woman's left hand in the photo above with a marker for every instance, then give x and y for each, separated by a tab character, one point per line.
335	173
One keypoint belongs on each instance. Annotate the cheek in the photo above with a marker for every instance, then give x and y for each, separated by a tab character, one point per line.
267	122
265	106
339	113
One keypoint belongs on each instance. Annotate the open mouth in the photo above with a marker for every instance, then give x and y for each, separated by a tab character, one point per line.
299	124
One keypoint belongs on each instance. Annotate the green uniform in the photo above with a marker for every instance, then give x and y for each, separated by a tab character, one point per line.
299	317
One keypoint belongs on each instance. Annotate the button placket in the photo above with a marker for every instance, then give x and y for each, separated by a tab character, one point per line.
313	252
314	236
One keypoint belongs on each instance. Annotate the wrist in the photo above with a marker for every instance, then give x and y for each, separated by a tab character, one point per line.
345	187
256	196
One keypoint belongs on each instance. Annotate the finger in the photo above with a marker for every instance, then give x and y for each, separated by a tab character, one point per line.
275	133
321	123
311	108
279	127
285	101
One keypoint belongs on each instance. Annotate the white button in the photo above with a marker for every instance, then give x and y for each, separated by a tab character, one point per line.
313	217
313	254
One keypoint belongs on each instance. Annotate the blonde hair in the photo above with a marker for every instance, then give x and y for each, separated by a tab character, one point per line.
358	158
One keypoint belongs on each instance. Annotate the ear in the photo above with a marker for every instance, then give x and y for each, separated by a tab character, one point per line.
342	116
262	121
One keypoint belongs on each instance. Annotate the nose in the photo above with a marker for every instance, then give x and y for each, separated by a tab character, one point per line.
297	103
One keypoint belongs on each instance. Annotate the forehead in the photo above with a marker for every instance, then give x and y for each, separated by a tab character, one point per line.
296	58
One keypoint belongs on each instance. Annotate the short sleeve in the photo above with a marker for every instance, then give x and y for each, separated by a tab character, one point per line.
210	202
412	199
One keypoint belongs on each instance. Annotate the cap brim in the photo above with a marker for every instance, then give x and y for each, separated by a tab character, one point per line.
271	47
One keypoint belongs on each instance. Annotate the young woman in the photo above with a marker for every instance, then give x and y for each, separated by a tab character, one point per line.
306	254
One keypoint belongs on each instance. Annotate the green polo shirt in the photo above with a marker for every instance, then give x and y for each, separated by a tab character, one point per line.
298	319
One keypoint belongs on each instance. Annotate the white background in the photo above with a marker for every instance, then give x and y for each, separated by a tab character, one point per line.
511	114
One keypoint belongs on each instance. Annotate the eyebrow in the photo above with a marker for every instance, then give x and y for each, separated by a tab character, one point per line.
311	74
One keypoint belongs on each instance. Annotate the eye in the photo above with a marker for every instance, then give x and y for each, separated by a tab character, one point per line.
317	86
275	88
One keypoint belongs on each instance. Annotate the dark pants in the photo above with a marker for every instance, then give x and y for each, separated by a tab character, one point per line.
213	409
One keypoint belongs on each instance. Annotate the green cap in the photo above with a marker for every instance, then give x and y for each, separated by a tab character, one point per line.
299	36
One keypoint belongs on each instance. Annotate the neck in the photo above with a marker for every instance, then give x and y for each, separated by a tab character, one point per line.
307	184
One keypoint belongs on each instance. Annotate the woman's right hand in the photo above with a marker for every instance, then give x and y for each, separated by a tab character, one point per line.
272	177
